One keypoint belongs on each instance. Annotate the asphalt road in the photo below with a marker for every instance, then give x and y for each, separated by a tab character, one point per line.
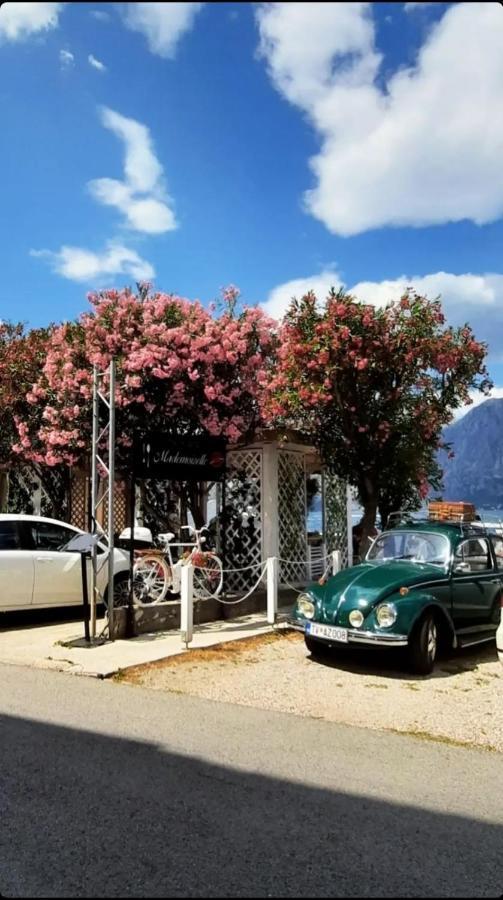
111	790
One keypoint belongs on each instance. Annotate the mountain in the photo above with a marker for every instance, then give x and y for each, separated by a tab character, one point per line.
476	472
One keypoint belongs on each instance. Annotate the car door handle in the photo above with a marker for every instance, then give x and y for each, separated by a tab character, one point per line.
44	559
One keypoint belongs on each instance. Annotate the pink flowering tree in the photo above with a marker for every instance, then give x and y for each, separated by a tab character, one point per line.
22	357
180	369
373	388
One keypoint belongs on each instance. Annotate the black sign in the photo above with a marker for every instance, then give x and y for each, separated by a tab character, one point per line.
180	459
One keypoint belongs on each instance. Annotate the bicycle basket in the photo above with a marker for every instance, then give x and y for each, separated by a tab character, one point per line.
200	559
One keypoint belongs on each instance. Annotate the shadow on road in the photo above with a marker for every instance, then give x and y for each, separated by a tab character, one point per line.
393	664
86	815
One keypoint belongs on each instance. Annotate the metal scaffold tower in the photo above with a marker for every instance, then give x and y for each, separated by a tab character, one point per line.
103	434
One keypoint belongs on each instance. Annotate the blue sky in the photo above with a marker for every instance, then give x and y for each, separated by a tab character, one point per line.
276	147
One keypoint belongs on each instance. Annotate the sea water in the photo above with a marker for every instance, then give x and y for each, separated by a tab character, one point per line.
315	516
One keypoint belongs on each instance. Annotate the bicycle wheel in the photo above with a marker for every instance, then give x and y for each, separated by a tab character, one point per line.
208	577
152	579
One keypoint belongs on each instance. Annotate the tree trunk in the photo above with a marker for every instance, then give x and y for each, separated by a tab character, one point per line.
368	527
197	503
183	511
143	504
4	491
385	511
369	499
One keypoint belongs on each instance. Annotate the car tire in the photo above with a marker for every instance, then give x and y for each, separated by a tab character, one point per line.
317	649
423	645
121	590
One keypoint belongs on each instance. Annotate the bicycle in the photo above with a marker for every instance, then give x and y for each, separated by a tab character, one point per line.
155	573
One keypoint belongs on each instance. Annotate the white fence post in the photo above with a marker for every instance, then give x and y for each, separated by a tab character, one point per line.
272	589
187	605
336	561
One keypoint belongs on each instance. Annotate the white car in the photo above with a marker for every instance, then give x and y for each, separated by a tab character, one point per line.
35	572
499	638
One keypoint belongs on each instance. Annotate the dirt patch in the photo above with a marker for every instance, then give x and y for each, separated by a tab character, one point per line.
459	704
245	650
440	739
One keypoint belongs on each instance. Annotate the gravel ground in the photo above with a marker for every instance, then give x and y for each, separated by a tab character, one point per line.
460	703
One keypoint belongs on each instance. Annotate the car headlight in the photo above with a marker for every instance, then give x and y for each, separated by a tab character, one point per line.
305	606
386	615
356	618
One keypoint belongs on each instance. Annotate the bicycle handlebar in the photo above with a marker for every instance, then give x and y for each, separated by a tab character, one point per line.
194	530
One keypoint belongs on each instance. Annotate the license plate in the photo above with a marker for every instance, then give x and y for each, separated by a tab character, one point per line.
329	632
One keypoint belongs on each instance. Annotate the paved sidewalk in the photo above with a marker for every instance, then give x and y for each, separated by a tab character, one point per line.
63	648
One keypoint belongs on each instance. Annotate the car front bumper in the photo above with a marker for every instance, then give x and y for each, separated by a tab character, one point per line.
356	636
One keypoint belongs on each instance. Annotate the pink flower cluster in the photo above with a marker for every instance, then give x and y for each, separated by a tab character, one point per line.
174	360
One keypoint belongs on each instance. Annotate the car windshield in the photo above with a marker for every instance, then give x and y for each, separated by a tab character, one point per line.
415	546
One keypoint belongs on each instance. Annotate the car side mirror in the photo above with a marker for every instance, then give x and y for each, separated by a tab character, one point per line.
462	568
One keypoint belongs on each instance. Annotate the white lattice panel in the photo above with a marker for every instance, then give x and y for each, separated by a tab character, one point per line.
336	516
243	540
317	562
293	551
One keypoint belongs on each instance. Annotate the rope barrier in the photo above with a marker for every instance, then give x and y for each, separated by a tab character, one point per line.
248	594
292	588
304	562
244	569
262	566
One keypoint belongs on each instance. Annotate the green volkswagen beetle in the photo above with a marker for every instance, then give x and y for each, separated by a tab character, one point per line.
422	585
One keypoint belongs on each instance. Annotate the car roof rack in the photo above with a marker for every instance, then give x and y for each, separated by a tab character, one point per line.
469	529
473	528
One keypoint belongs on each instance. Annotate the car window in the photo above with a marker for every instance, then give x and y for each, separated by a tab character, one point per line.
411	545
497	543
9	536
474	552
48	536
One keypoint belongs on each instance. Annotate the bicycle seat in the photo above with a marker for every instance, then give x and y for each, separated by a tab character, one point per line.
167	537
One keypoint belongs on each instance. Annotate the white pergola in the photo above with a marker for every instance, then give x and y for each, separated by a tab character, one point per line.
275	469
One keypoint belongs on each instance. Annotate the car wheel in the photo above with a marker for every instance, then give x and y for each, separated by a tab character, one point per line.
121	590
423	645
317	649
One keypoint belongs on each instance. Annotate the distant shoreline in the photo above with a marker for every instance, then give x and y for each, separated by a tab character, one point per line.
315	519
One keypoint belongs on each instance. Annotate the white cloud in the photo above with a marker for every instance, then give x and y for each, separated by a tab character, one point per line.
142	199
100	14
96	64
163	24
142	168
79	264
279	299
476	299
410	7
18	21
66	59
305	45
151	212
477	397
149	215
427	148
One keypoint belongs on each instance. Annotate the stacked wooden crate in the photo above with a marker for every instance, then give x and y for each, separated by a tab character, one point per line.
450	510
